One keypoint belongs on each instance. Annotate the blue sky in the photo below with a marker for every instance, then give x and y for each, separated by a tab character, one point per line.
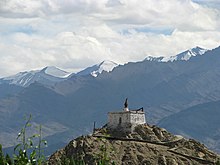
209	3
74	34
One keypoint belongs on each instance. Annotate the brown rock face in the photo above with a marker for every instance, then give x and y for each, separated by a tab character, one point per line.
148	145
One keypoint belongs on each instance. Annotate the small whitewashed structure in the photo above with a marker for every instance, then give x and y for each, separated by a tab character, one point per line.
126	120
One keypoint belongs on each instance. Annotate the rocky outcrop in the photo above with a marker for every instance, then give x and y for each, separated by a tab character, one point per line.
147	145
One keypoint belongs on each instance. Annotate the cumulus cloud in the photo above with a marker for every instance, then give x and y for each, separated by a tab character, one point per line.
73	34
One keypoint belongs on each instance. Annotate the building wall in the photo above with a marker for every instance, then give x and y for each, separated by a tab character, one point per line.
137	118
115	119
126	120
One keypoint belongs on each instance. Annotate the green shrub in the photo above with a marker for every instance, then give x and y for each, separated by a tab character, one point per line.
25	152
218	162
2	157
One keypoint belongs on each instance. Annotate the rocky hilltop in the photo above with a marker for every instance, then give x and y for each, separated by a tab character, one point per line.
147	145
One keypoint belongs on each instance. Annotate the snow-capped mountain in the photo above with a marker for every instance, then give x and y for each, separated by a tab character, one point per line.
97	69
51	74
47	76
184	56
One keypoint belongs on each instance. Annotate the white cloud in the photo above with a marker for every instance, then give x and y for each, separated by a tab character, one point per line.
73	34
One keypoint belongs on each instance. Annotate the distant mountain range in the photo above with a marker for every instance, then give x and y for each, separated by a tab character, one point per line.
50	75
70	105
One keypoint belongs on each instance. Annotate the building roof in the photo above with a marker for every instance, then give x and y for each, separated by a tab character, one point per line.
139	111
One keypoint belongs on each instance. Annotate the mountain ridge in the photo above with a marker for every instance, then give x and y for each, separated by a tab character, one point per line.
202	123
53	74
183	56
97	69
46	76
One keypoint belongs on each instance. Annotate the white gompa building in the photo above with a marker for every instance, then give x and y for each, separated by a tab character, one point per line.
126	120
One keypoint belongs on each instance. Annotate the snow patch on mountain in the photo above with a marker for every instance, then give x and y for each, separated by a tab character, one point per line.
22	78
150	58
97	69
184	56
56	72
47	76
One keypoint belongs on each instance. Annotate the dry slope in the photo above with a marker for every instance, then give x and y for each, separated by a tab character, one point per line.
147	145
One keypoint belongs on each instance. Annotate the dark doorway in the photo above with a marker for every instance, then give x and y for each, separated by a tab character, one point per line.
120	120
